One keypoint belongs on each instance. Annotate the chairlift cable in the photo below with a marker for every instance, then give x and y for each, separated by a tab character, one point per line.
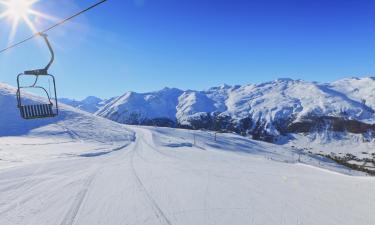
53	26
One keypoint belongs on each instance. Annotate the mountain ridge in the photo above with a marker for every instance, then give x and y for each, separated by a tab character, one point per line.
266	110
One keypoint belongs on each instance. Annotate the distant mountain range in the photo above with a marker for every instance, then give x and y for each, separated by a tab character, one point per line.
266	111
90	104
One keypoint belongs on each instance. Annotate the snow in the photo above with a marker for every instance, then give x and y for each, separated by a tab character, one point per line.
133	107
191	104
285	98
357	89
70	122
229	181
335	142
81	169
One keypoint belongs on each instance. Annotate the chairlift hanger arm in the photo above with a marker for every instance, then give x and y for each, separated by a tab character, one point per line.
45	37
43	71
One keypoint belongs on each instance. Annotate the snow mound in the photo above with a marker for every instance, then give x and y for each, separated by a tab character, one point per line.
71	123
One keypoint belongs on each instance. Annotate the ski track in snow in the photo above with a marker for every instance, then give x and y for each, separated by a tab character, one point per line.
159	213
149	182
73	211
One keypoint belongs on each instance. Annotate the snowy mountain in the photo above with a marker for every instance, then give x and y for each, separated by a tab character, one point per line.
90	104
359	89
134	108
265	111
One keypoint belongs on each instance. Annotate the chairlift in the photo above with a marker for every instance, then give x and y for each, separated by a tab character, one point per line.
40	107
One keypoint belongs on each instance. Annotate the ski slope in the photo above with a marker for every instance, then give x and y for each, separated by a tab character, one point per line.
171	176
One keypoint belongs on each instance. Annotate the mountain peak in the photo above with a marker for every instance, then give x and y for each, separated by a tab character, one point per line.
92	100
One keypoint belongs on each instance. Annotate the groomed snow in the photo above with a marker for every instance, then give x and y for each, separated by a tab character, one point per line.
164	178
73	132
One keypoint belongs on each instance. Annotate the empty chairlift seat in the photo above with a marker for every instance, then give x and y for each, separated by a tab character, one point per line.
37	111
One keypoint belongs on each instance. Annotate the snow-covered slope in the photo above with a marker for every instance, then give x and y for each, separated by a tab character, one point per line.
292	99
134	108
70	123
164	178
195	104
359	89
263	109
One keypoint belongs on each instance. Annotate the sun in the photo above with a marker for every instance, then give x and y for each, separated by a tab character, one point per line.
18	11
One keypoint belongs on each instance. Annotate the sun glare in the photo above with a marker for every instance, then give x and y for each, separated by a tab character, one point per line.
19	8
18	11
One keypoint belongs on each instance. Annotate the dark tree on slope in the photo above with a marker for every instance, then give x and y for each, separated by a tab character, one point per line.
160	122
283	124
221	122
134	118
244	125
204	121
259	132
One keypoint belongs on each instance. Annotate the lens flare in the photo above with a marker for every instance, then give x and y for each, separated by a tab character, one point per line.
18	11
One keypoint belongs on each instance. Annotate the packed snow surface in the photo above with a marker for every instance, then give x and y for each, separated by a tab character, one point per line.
170	176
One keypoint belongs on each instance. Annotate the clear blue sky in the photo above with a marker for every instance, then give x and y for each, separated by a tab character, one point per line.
195	44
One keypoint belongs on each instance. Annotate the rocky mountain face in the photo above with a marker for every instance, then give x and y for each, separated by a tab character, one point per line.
265	111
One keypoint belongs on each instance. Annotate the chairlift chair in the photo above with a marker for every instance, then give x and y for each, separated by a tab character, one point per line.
38	108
